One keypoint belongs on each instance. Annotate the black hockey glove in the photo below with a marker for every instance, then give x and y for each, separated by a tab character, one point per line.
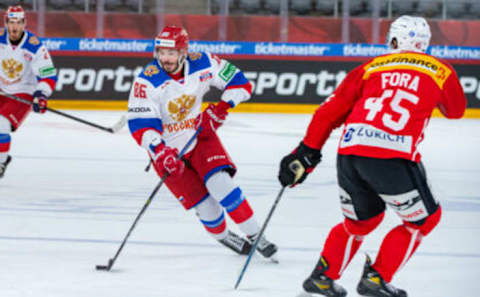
295	166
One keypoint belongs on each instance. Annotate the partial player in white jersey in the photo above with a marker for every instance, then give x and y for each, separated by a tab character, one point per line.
164	111
27	72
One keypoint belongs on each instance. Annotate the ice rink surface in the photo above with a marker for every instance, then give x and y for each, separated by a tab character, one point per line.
71	193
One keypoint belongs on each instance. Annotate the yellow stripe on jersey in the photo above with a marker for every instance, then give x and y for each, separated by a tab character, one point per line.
432	67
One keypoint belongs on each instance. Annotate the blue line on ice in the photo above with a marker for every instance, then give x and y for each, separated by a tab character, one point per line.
196	245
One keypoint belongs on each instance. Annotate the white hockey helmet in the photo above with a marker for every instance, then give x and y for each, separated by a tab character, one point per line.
411	34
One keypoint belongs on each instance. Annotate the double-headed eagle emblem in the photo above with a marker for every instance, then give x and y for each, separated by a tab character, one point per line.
151	70
12	68
180	107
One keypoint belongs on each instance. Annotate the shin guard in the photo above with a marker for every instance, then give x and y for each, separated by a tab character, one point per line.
400	244
222	187
344	241
212	217
339	249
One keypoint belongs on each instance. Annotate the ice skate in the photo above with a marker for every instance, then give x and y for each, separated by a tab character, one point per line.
3	166
236	243
265	247
372	284
320	284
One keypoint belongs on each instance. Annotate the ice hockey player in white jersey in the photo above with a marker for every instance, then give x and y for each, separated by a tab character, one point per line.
164	111
26	71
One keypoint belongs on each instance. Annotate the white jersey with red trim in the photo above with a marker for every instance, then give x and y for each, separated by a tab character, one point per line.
163	109
26	67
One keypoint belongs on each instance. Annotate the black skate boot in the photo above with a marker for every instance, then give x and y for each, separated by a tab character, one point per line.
372	284
264	247
3	166
236	243
319	283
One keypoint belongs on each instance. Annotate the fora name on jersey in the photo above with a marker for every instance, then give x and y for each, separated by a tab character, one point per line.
397	79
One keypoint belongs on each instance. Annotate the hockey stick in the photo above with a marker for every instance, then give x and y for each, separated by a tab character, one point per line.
255	243
111	261
115	128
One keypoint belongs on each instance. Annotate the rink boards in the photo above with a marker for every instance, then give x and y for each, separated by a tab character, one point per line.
284	84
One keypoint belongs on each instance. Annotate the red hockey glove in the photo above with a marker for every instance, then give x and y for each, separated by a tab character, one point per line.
165	160
295	166
213	116
39	102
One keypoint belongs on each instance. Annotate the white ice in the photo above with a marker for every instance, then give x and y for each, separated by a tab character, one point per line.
72	192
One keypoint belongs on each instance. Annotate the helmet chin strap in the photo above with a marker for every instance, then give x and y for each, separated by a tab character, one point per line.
180	62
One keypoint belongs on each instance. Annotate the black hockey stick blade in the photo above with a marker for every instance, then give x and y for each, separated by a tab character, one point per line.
101	267
105	267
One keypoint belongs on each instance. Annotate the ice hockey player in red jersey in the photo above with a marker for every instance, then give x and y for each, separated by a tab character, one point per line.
385	105
27	72
164	110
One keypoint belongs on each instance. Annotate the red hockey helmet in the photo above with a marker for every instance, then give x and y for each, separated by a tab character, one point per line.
15	11
172	37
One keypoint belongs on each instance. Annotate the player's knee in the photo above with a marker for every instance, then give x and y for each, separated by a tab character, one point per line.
363	227
233	200
5	126
220	184
428	224
222	187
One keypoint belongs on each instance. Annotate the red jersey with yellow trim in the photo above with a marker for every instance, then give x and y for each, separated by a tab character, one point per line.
386	104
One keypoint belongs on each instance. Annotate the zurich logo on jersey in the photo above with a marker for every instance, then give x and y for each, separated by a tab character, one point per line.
348	136
367	135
